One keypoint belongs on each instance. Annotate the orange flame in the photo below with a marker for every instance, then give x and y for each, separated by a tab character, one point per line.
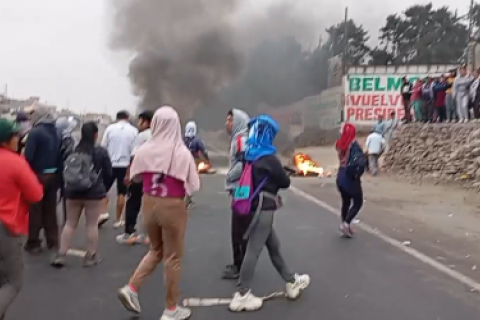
203	166
306	165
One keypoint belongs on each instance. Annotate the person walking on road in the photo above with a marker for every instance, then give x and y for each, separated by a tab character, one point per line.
237	128
42	152
135	189
119	140
195	144
88	177
19	187
268	176
168	171
351	168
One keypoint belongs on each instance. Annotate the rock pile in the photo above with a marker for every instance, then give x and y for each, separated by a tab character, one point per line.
440	152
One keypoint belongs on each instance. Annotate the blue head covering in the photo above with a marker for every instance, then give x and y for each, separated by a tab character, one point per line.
263	130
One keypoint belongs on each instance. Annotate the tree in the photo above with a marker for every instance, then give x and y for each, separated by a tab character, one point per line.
422	35
357	42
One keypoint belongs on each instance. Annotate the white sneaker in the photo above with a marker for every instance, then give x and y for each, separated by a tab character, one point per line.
293	290
103	218
125	238
248	302
129	299
118	224
180	313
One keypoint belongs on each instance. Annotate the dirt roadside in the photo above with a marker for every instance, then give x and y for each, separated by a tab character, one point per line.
442	222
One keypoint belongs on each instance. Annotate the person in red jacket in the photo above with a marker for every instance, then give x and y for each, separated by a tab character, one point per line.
19	187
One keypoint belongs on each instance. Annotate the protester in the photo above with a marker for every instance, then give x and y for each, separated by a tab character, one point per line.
380	125
196	147
390	127
375	145
194	142
417	101
440	92
135	189
461	87
449	101
237	127
25	126
349	177
428	100
118	139
406	92
42	152
475	95
19	187
269	176
90	162
169	173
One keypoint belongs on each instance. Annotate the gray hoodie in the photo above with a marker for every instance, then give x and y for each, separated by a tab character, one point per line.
461	86
239	133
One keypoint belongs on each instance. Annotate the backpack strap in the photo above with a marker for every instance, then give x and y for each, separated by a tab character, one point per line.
239	144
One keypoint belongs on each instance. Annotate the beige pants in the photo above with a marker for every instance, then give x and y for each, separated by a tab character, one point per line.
165	221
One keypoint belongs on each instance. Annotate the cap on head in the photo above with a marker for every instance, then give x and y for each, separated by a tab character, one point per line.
7	129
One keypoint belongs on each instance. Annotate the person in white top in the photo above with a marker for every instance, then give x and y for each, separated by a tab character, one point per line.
375	146
119	139
135	189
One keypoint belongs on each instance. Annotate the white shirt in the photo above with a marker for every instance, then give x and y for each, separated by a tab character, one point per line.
375	143
141	139
118	139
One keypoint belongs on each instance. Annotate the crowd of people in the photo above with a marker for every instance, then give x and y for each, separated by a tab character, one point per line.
154	169
452	97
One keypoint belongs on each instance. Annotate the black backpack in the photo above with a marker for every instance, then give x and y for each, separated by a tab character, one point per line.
79	174
356	162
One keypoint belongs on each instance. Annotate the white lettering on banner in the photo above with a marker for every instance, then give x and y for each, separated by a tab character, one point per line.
369	96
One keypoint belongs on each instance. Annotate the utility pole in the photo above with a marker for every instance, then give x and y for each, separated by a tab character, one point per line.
345	47
470	31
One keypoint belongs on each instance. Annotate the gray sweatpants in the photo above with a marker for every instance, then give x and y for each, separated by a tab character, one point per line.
262	234
11	268
462	106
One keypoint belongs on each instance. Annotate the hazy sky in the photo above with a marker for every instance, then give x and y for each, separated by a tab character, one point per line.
58	49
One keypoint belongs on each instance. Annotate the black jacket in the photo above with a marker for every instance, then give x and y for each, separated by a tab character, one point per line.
270	167
42	150
102	164
406	90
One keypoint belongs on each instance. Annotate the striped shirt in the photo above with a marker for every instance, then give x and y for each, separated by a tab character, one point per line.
119	140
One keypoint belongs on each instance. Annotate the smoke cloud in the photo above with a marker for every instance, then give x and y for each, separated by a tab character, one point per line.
185	51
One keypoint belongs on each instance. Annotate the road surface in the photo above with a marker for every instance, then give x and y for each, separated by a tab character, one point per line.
362	279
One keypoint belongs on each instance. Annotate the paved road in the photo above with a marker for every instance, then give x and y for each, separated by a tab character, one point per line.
362	279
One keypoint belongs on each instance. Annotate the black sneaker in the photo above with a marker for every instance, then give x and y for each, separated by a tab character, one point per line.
231	273
33	249
91	260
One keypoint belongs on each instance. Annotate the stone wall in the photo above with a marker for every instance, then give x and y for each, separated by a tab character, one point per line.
439	152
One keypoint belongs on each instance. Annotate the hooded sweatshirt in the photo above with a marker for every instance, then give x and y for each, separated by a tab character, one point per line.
193	141
239	135
461	86
42	149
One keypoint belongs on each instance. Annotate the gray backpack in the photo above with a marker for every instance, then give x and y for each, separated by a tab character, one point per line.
79	174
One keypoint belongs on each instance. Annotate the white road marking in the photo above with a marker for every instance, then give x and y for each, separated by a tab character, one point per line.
397	244
76	253
211	302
